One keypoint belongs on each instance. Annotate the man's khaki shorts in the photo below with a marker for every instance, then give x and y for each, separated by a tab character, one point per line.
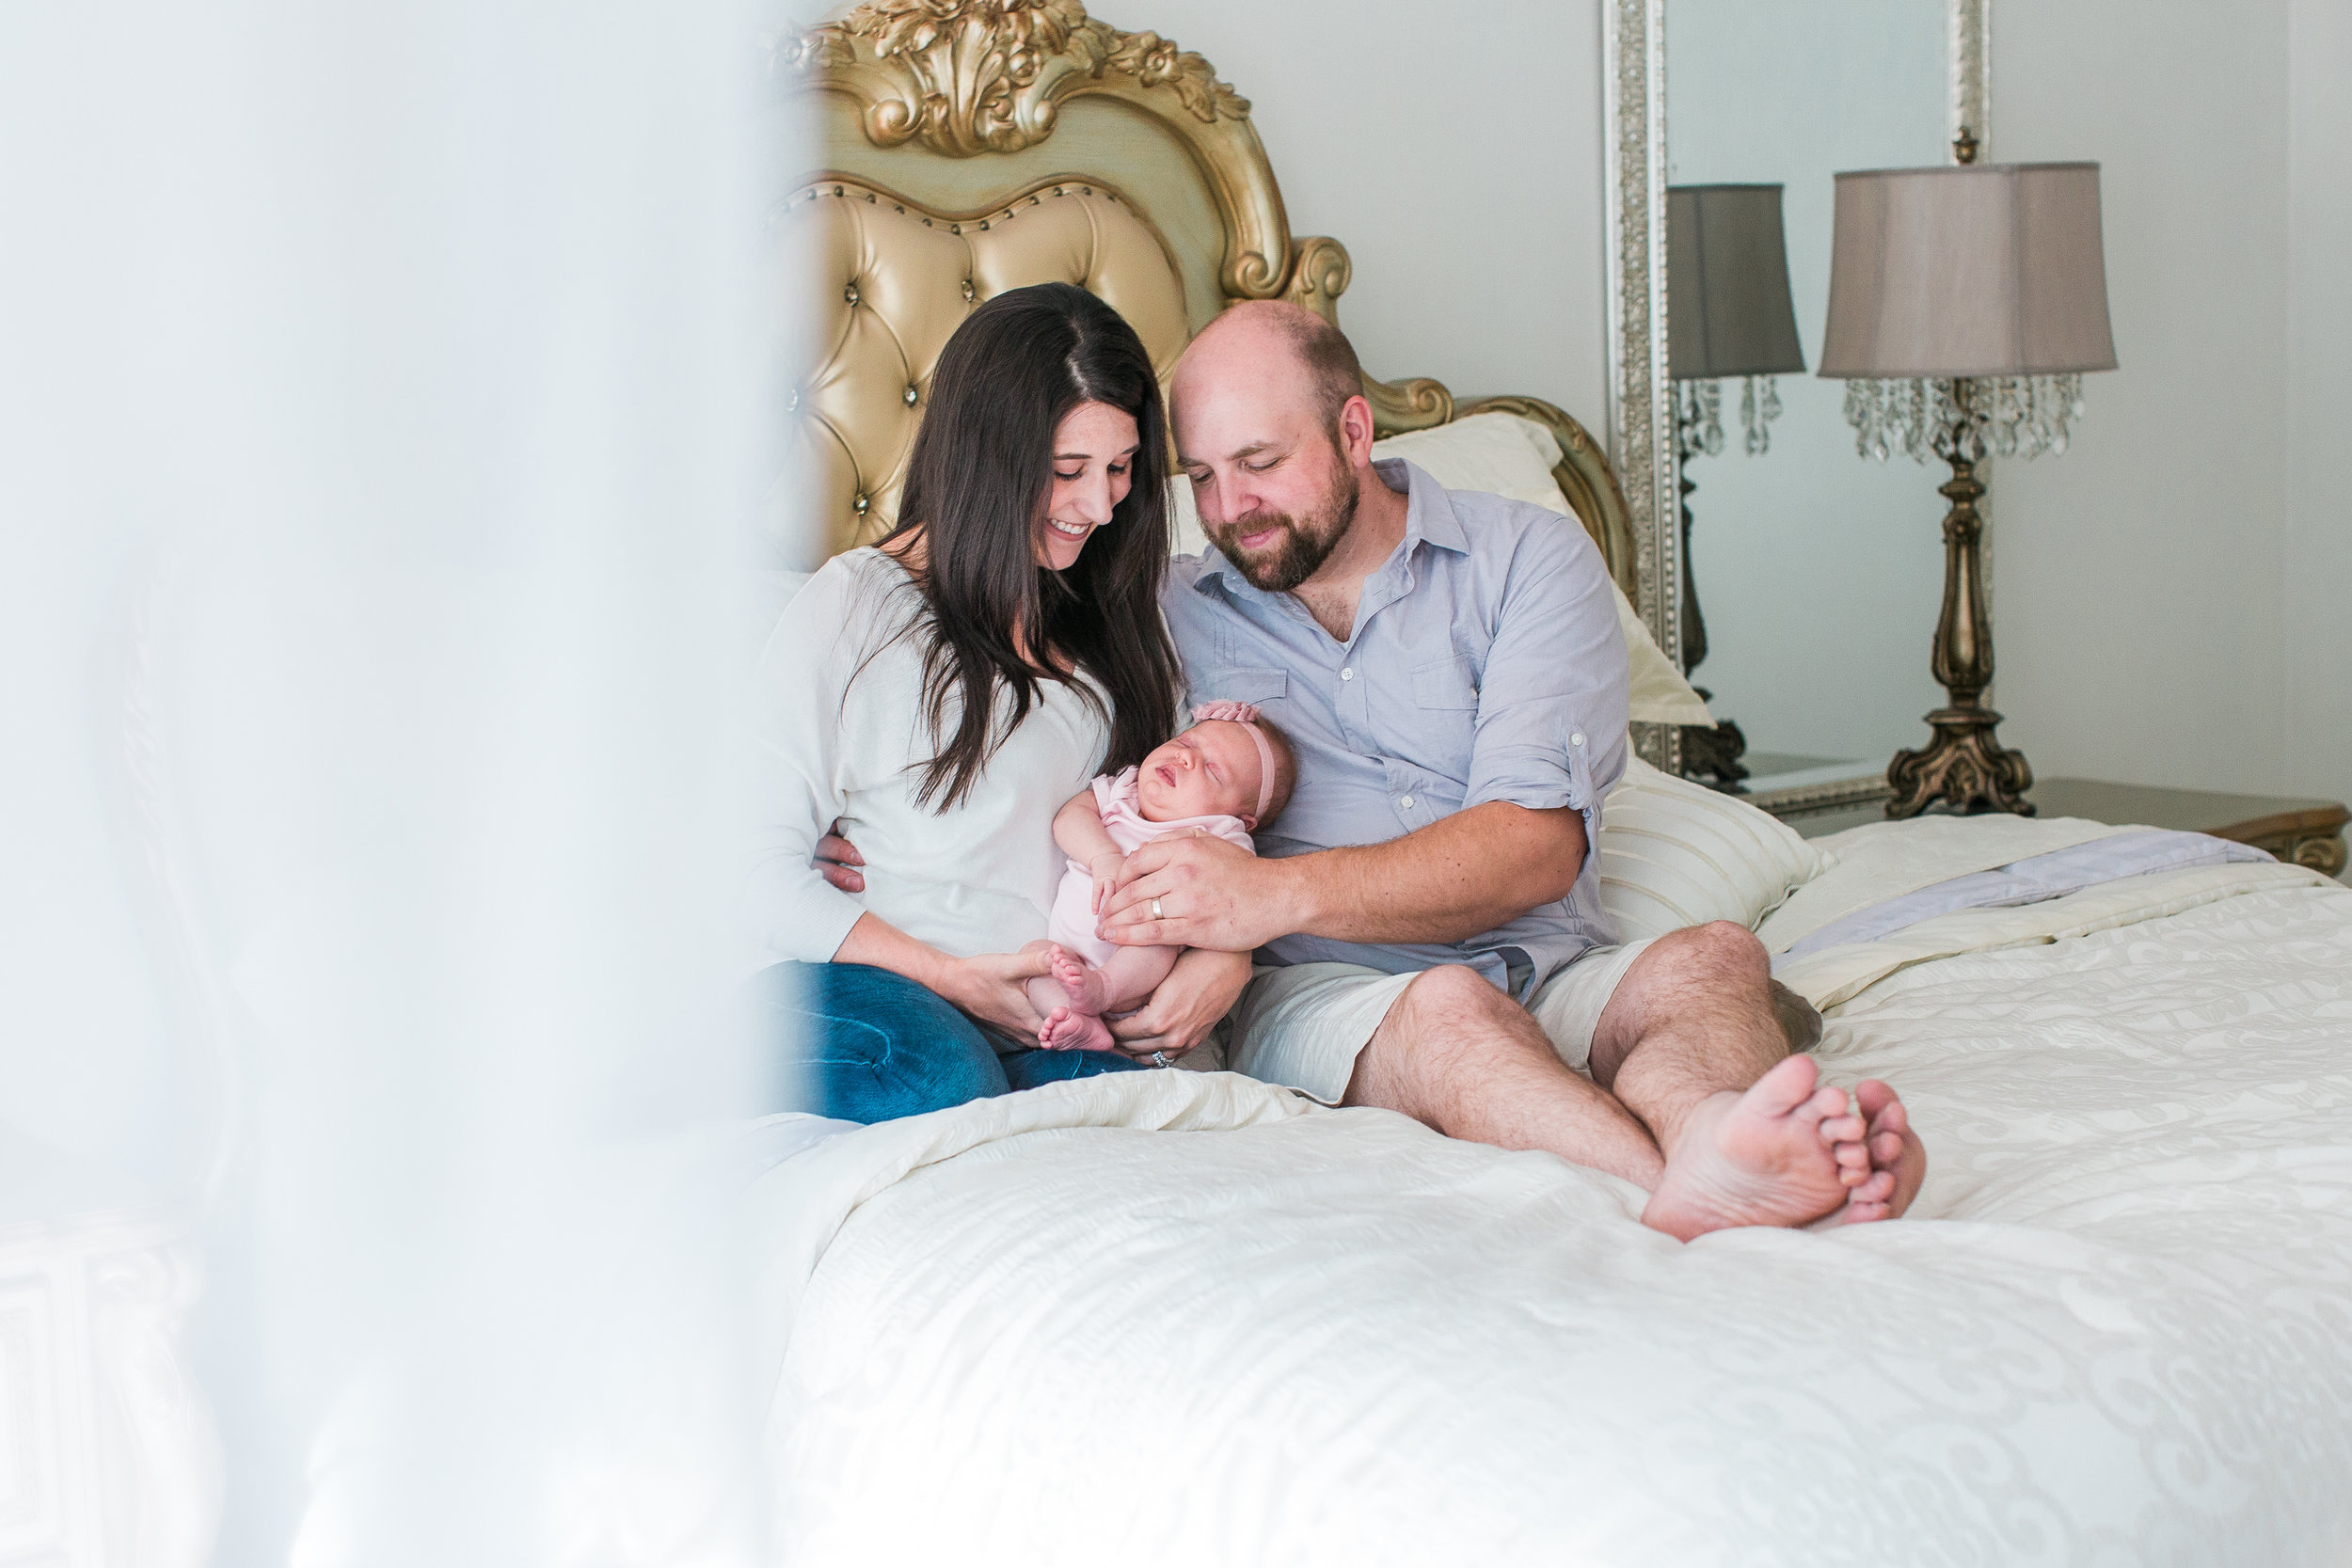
1304	1024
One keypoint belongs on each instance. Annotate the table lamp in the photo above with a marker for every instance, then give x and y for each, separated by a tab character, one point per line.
1965	305
1730	312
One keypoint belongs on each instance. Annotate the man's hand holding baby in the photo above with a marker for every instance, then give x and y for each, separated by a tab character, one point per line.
1211	893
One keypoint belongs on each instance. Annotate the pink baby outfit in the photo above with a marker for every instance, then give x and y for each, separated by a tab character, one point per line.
1072	923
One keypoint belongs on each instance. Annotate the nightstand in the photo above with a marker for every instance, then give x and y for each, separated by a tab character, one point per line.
2304	830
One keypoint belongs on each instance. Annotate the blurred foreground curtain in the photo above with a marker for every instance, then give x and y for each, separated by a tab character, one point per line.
379	419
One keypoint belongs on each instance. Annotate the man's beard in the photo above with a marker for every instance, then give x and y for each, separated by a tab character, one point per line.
1304	545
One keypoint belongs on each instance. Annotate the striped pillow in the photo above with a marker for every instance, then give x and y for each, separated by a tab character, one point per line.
1674	853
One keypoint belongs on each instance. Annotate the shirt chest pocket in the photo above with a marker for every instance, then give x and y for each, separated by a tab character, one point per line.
1243	686
1445	683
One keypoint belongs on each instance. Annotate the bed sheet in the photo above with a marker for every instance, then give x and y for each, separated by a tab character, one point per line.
2117	1328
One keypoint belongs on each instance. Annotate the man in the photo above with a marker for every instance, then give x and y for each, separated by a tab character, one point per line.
1449	668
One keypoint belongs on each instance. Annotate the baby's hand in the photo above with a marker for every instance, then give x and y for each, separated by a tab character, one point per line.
1105	868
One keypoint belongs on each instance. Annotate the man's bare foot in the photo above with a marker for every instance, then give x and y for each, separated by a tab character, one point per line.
1069	972
1068	1030
1781	1153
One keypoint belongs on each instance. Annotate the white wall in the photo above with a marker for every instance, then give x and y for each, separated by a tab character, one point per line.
1443	147
2171	593
2316	556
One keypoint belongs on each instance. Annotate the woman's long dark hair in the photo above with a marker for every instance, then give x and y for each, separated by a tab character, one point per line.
977	484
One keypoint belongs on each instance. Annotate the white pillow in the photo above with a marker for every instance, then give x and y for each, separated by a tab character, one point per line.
1674	853
1509	456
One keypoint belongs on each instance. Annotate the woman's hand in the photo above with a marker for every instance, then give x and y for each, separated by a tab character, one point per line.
1197	992
1105	868
837	860
993	987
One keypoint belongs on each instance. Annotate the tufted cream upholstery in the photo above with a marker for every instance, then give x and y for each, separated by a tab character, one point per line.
895	281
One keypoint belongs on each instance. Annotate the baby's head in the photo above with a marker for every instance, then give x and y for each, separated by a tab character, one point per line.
1231	763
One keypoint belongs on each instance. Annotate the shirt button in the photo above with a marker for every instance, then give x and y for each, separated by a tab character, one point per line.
1407	803
1347	674
1577	739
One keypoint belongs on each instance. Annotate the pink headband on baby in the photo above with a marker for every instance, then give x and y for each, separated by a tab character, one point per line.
1246	715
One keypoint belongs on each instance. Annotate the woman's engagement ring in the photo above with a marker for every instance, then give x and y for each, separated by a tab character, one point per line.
1159	1058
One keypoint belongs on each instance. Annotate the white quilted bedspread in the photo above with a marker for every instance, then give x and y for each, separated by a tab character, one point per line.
2116	1331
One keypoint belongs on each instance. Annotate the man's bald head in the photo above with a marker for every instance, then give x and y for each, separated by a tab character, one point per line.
1272	429
1259	340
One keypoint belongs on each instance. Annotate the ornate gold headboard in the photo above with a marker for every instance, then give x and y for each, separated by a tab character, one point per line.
973	145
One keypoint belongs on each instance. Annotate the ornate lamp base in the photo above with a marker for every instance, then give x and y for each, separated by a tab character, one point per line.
1964	766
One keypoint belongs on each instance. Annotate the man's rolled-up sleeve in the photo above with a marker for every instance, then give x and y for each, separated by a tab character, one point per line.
1552	702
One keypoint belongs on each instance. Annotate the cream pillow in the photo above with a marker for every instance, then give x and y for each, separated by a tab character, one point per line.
1506	455
1674	853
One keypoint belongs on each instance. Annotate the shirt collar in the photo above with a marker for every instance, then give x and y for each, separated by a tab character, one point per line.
1429	518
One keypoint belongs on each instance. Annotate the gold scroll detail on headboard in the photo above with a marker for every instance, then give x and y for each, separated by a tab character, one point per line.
936	84
967	77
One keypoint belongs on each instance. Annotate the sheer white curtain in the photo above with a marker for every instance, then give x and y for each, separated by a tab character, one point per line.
380	427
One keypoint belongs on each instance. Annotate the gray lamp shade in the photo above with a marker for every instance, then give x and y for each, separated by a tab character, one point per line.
1729	311
1977	270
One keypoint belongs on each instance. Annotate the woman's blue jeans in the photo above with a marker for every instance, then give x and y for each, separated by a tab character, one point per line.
864	1044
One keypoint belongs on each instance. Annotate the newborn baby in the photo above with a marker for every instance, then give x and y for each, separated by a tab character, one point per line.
1230	774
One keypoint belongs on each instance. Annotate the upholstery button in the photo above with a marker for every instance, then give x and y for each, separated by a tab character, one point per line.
793	402
849	294
1347	674
859	505
911	394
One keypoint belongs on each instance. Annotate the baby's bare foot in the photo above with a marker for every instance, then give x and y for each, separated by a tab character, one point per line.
1782	1153
1068	1030
1071	972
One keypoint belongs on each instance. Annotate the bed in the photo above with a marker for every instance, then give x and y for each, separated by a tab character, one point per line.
1185	1318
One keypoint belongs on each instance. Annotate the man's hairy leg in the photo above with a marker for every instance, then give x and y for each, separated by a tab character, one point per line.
1456	1054
1691	1044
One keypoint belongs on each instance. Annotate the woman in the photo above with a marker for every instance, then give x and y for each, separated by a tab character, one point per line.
937	697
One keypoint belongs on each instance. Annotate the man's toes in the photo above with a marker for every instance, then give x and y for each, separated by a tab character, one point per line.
1822	1107
1876	1095
1864	1213
1885	1148
1789	1086
1878	1188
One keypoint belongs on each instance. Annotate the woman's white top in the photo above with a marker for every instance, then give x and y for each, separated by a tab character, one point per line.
839	732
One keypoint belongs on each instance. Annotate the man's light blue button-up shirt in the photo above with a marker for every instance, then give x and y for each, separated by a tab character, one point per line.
1485	664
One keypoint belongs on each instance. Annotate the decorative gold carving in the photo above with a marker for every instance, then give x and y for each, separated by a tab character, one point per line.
1963	765
972	76
1155	61
2325	855
966	77
1319	273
